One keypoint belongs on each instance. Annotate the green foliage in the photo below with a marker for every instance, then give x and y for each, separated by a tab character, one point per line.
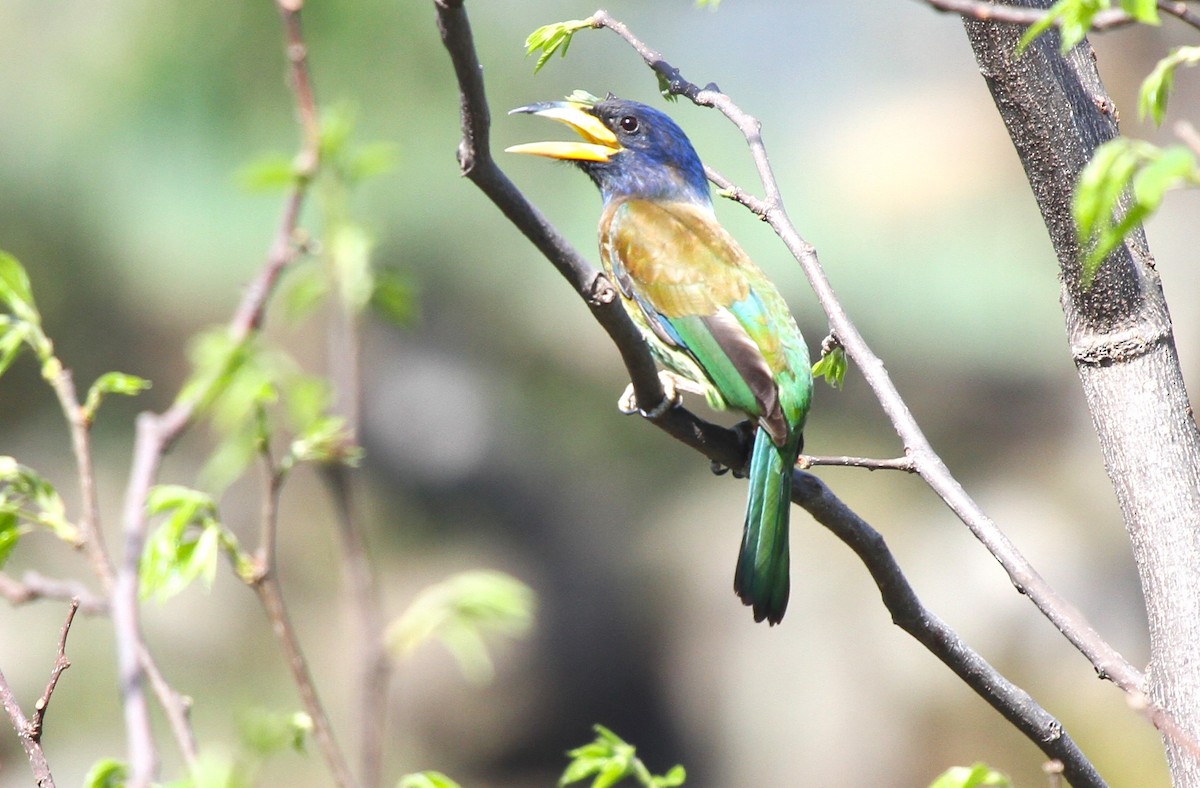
1152	97
832	366
459	611
28	501
552	38
979	774
111	383
106	773
1124	171
266	733
22	327
427	779
1074	18
609	759
250	394
186	545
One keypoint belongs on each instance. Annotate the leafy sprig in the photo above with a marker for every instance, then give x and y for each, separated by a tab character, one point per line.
610	759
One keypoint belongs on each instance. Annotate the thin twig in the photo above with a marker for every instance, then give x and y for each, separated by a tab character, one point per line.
89	517
1109	19
718	444
1038	725
374	667
905	464
265	583
61	663
33	749
33	586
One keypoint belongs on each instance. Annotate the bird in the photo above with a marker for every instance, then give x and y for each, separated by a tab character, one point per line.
711	318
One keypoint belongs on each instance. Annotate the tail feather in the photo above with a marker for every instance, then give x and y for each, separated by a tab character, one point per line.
762	578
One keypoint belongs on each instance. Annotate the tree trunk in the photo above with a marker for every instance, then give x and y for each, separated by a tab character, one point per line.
1057	113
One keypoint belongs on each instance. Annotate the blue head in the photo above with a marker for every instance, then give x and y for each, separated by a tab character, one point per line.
629	149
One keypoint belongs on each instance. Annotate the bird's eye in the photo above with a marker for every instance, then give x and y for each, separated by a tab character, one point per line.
629	124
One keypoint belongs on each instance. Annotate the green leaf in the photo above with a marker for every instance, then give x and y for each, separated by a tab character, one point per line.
10	534
1072	17
832	367
272	172
1122	186
33	500
979	774
1156	88
611	759
370	160
14	335
394	298
427	779
112	383
185	546
459	612
552	38
327	441
349	248
106	773
266	732
15	290
1144	11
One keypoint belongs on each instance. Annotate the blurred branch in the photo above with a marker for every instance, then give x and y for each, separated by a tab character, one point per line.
1109	19
33	586
30	731
265	583
930	631
157	432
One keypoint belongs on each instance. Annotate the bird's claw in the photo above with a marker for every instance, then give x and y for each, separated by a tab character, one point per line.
628	403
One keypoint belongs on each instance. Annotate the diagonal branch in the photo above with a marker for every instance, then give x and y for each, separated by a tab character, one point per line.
1109	19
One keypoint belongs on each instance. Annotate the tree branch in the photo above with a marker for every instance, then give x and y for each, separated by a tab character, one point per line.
61	663
157	432
910	615
33	586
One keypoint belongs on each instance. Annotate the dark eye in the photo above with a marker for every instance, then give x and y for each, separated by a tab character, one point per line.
629	124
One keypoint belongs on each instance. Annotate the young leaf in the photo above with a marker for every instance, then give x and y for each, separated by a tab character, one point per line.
273	172
610	759
973	776
185	546
1144	11
552	38
15	291
459	611
832	367
111	383
106	773
1073	17
394	297
10	534
427	779
1156	88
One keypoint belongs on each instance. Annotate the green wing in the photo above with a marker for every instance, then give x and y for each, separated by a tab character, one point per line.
710	309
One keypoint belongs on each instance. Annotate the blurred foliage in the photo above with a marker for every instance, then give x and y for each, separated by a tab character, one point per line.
974	776
459	612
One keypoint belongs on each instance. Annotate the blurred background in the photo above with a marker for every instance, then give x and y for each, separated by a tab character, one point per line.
490	424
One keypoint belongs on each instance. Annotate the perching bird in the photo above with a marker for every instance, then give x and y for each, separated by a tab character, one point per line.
709	315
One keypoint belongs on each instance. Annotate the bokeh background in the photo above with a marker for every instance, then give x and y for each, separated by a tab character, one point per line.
491	433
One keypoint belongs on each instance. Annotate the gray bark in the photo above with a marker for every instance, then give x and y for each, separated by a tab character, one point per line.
1057	112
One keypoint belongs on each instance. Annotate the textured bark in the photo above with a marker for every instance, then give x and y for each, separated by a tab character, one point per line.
1057	112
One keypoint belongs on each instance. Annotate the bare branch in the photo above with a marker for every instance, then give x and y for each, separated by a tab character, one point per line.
61	663
897	464
33	586
157	432
266	585
910	615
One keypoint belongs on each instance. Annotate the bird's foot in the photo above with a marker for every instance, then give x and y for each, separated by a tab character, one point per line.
672	384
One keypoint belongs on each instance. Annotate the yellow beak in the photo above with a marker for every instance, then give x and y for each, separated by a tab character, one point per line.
599	144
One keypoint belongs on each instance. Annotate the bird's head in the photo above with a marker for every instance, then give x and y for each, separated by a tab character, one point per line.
627	148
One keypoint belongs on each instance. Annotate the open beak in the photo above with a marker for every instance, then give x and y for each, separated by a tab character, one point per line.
599	143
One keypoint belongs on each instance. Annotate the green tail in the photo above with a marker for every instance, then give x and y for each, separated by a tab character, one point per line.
762	578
